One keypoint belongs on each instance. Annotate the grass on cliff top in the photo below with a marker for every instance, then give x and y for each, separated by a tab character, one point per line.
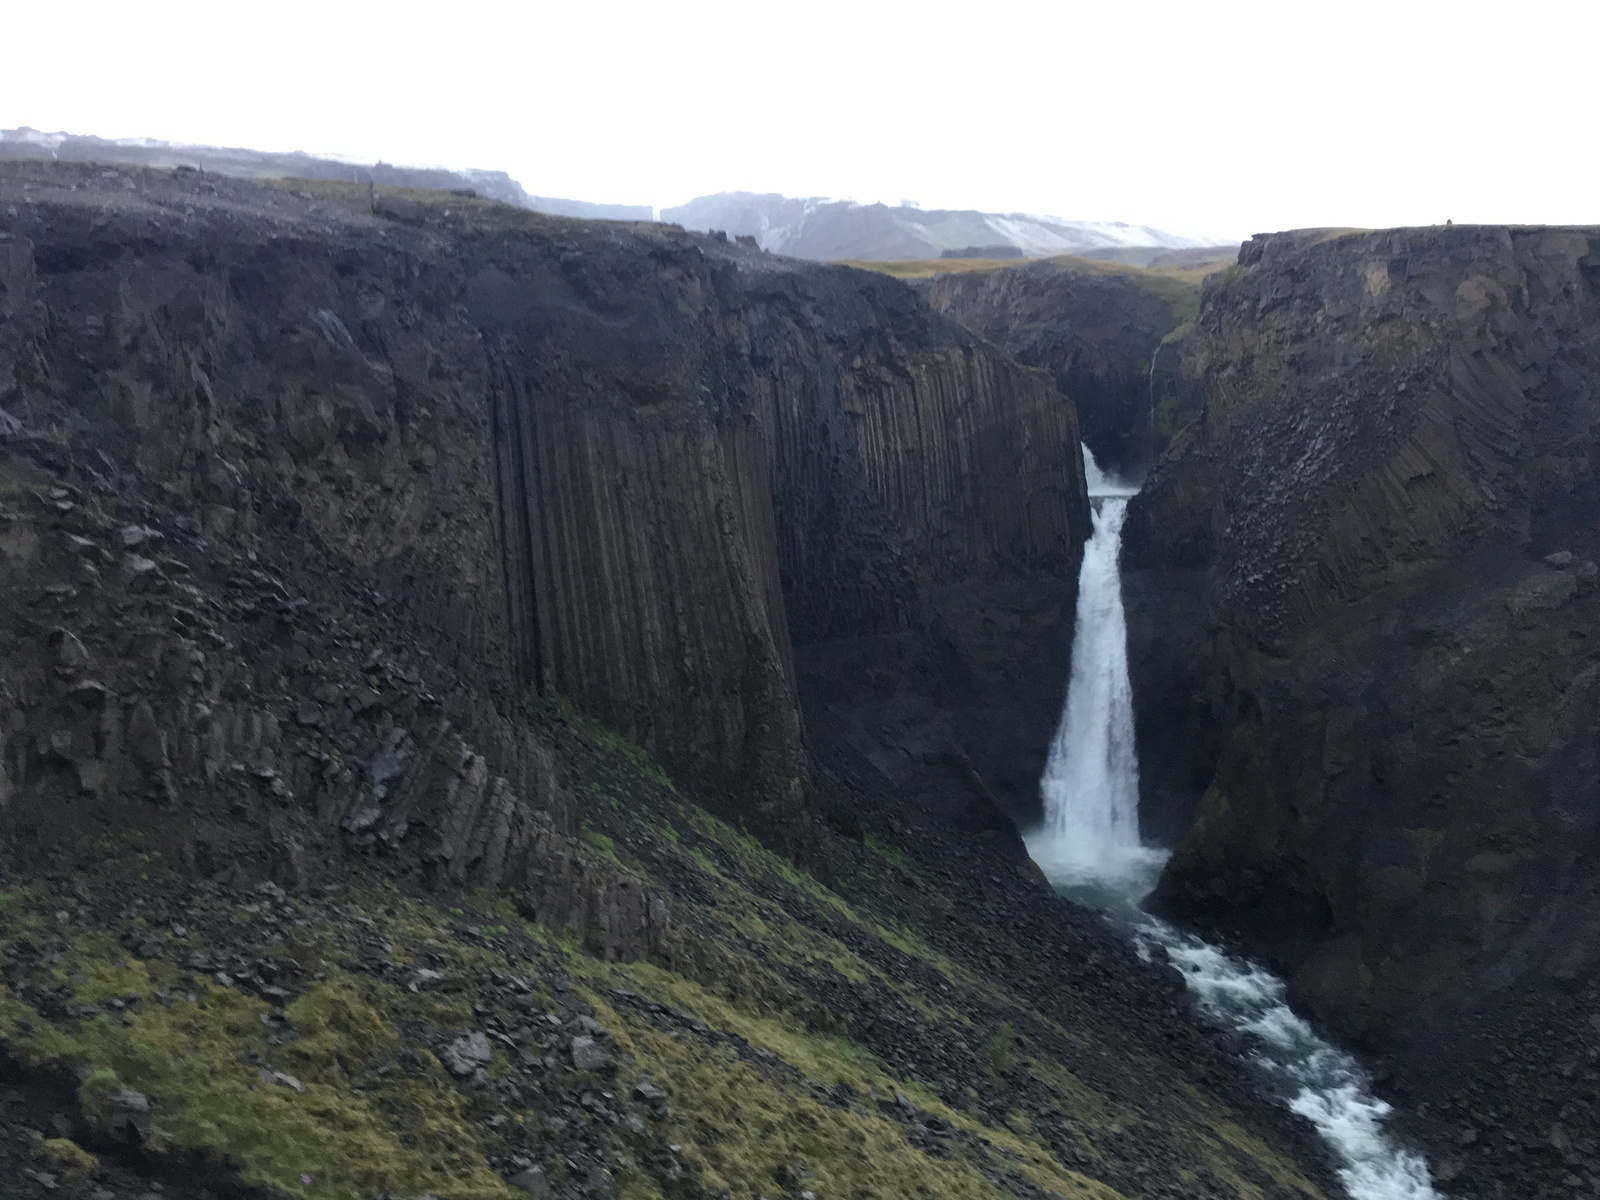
927	268
1178	286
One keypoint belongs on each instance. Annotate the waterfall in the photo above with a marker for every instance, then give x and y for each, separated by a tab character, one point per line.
1088	846
1150	388
1090	786
1104	485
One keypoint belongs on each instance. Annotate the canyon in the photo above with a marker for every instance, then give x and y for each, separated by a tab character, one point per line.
539	706
434	632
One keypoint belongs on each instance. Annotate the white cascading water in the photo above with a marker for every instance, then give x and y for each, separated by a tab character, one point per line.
1091	779
1089	847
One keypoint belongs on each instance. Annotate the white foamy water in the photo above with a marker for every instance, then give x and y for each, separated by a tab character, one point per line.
1091	778
1103	483
1089	848
1319	1081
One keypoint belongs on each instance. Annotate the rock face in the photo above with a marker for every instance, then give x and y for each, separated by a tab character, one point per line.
420	458
1364	620
1095	329
734	452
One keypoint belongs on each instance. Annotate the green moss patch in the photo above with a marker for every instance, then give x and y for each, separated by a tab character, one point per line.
807	1040
64	1157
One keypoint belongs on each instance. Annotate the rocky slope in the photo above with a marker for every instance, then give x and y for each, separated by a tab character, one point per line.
1363	588
939	1030
326	532
1095	328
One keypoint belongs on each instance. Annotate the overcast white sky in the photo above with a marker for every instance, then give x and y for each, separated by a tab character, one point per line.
1227	118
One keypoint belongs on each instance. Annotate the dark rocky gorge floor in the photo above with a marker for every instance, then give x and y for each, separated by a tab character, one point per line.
304	896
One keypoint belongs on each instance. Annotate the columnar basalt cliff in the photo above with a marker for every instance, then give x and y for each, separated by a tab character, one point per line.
707	463
328	529
1095	327
680	432
608	463
930	513
255	610
1368	577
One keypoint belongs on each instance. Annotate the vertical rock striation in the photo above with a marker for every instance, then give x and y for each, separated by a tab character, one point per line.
1095	328
621	465
636	543
706	455
930	512
1376	552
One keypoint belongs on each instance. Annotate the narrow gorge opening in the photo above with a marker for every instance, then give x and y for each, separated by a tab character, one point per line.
1089	847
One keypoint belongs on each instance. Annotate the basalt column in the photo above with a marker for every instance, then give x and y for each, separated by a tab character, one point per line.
930	513
637	526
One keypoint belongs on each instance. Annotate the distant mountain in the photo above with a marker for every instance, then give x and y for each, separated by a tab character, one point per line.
843	229
258	164
813	228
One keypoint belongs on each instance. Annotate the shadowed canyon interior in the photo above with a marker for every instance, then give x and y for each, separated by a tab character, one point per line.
538	706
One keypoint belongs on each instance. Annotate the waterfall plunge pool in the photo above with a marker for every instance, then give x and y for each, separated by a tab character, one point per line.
1088	847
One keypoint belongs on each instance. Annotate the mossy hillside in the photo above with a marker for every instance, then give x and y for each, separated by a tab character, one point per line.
352	1105
814	1038
863	945
66	1158
337	1123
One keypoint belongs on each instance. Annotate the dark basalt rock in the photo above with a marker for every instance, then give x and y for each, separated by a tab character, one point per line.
389	475
1362	612
622	466
1095	329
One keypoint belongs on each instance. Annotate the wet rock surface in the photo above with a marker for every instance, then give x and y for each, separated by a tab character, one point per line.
1362	603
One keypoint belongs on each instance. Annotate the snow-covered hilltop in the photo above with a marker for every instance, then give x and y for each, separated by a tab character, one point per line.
842	229
812	228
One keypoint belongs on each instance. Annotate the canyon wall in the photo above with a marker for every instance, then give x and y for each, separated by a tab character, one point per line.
1365	582
931	511
606	465
1095	328
327	531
